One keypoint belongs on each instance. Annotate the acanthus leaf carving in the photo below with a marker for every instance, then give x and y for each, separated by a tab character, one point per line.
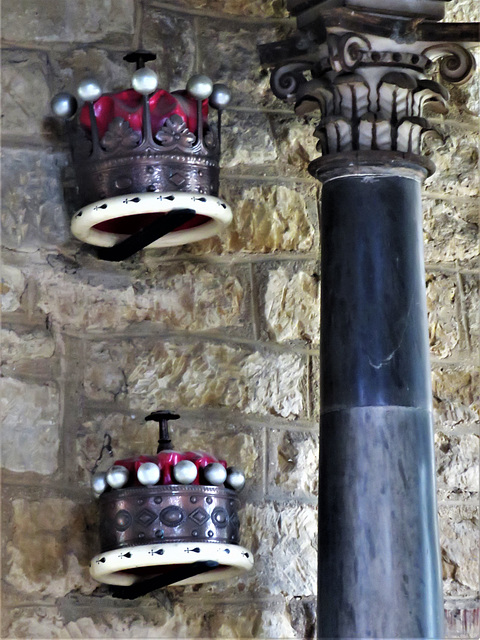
431	93
315	94
352	94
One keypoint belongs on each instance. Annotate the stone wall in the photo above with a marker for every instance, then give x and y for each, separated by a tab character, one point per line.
225	330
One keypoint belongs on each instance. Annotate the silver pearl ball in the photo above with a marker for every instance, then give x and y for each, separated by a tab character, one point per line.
235	479
215	473
145	81
117	476
185	472
89	90
64	105
99	482
148	473
200	87
221	96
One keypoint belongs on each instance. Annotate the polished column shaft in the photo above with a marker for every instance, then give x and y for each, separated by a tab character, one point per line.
379	569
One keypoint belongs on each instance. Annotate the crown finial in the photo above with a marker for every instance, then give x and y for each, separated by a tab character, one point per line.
162	417
140	57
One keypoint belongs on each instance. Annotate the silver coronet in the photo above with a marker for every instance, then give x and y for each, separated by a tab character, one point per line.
89	90
221	96
185	472
215	473
200	87
64	105
117	476
235	478
148	473
145	81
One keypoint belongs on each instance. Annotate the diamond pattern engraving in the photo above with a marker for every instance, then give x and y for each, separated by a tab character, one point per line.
199	516
146	517
177	179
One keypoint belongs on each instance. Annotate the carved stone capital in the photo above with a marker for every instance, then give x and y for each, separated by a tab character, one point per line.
366	66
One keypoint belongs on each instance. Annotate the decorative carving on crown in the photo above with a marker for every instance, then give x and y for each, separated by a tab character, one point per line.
368	75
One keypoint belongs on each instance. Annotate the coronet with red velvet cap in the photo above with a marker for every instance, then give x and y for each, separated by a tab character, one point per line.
143	155
170	518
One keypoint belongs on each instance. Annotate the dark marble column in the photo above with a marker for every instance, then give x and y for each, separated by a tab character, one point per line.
365	67
378	554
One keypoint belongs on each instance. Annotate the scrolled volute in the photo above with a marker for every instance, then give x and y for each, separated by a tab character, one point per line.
457	63
346	50
286	80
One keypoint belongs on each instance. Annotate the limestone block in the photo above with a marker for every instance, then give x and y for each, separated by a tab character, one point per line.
192	619
182	296
266	218
131	435
253	620
283	539
72	66
315	387
457	163
462	619
303	616
291	304
462	11
200	374
247	141
458	465
471	304
30	426
244	8
27	352
450	231
234	60
25	95
295	142
12	288
49	549
460	542
61	21
18	346
33	211
455	396
442	301
44	622
172	37
292	463
105	371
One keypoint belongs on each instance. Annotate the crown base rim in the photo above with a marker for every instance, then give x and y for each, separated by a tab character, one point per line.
117	567
88	223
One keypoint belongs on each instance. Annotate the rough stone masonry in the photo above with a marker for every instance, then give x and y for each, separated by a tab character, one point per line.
225	331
